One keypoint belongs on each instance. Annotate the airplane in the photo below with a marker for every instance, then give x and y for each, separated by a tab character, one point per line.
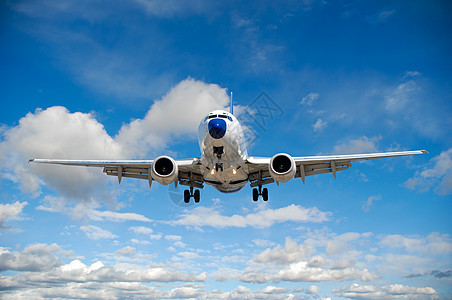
224	162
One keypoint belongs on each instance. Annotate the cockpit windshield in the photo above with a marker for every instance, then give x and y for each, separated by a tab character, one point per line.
218	116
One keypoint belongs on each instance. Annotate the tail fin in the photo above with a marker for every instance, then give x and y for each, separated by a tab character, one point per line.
231	107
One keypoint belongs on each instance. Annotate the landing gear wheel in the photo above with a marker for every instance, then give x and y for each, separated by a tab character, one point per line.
197	196
187	196
265	194
255	194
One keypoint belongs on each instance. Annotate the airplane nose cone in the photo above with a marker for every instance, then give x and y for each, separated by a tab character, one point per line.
217	128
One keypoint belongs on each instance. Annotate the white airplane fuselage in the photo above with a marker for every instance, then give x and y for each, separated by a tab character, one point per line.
223	151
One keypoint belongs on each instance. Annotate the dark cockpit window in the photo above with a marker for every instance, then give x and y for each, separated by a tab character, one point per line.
218	116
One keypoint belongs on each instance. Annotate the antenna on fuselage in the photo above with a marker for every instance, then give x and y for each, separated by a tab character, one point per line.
231	107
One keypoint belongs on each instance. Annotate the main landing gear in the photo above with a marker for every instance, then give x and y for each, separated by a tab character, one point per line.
190	193
260	192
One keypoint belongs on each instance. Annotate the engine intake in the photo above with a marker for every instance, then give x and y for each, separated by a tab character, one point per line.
164	170
282	167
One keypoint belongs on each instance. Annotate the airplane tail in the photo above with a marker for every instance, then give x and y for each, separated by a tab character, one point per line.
231	106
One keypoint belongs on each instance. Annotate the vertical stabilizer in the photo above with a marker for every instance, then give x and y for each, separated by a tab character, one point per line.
231	106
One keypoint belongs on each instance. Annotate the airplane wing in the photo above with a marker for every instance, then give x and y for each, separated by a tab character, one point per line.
312	165
188	168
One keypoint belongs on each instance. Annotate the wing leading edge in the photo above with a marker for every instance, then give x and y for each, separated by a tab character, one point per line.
140	169
313	165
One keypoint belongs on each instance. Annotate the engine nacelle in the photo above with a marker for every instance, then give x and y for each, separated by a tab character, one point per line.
164	170
282	167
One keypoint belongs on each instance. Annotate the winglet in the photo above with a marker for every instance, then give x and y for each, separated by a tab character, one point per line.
31	160
231	106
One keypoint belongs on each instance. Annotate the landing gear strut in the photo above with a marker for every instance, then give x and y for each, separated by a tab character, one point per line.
190	193
260	192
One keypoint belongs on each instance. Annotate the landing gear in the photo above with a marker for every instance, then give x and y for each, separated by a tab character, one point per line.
219	166
190	193
260	192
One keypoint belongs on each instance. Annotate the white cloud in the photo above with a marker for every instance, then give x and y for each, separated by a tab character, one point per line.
310	99
96	233
293	262
35	257
177	113
11	211
51	278
361	145
394	291
319	125
127	251
300	271
57	133
116	216
264	218
370	201
291	252
433	244
141	230
438	175
173	237
313	289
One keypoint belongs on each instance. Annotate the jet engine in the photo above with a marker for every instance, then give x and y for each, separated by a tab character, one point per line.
164	170
282	167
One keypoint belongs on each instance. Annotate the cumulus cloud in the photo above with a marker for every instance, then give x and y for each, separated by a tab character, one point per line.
438	175
394	291
300	271
10	212
58	280
291	252
57	133
264	218
35	258
294	262
177	113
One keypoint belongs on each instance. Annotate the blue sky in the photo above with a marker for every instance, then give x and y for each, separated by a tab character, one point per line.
108	79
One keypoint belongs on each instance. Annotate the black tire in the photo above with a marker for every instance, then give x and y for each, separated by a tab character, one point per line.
186	196
265	194
197	196
255	195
